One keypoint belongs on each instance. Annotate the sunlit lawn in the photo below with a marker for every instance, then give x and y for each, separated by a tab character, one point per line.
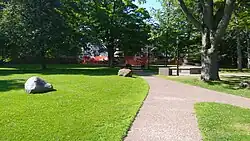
221	122
89	104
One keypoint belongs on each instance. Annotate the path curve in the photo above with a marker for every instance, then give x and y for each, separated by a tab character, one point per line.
168	112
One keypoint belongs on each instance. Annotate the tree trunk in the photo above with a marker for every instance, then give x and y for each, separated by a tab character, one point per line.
248	53
166	57
248	50
239	54
212	28
43	60
209	58
111	55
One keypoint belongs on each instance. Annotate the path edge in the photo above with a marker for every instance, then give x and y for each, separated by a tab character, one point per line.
139	109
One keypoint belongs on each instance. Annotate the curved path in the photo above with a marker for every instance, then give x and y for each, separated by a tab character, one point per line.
168	112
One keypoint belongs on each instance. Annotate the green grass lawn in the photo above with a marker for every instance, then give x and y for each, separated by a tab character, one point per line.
89	104
228	84
221	122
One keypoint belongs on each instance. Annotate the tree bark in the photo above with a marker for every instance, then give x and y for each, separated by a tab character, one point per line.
111	56
209	58
248	51
43	60
212	28
239	51
166	57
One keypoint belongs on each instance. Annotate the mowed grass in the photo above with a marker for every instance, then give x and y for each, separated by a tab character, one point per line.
89	104
221	122
228	84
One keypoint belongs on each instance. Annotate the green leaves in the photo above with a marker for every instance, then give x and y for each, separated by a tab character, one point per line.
122	24
52	28
172	24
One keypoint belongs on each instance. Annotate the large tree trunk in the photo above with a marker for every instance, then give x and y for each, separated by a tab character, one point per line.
209	58
216	24
111	55
43	60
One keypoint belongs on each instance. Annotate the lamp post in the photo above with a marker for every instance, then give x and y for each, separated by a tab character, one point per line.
150	48
148	57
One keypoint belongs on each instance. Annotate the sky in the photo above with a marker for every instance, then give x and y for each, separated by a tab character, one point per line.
151	4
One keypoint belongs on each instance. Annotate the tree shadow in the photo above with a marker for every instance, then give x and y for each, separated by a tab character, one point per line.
42	93
13	84
66	71
144	73
230	82
235	70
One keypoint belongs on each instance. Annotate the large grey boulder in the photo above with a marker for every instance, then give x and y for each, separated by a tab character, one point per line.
37	85
125	72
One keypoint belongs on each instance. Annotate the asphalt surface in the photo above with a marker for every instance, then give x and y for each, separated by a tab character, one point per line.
168	112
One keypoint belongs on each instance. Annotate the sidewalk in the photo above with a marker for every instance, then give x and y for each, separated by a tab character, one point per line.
168	112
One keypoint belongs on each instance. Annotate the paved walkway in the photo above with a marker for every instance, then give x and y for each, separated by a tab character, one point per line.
168	112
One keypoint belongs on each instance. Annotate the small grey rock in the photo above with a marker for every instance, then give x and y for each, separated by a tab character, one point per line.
37	85
244	84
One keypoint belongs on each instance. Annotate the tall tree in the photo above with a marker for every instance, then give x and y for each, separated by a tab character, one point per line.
121	25
211	19
240	24
36	27
173	25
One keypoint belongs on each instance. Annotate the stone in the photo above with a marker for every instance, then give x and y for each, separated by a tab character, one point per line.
37	85
244	84
125	72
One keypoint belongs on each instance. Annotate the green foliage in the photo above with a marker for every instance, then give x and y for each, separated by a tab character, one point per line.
61	28
37	28
121	24
172	24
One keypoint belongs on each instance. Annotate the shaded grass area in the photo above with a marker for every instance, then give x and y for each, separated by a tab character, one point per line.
59	69
155	68
221	122
227	70
89	104
228	84
58	66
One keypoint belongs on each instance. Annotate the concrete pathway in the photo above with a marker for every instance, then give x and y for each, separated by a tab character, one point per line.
168	112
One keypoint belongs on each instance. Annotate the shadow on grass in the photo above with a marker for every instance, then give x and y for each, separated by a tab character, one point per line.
13	84
42	93
144	73
230	82
69	71
234	70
